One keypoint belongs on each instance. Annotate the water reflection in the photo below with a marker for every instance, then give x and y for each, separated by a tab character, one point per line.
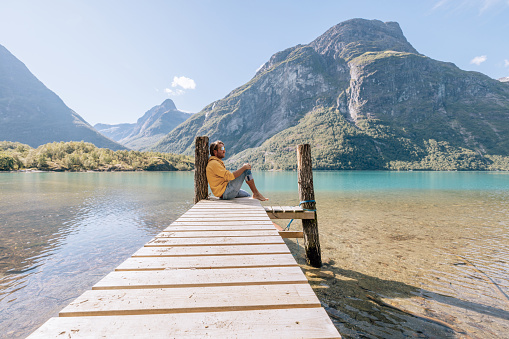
64	231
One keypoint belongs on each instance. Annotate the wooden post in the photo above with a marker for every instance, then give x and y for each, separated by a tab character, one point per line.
307	193
201	158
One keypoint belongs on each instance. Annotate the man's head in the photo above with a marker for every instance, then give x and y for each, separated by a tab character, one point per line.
217	149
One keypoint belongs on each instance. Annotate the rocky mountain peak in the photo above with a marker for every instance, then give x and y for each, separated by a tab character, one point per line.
152	126
355	37
168	105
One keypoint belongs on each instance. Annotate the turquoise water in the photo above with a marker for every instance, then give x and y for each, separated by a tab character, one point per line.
325	181
407	254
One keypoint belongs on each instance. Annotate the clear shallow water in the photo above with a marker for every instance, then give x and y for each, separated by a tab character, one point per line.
407	254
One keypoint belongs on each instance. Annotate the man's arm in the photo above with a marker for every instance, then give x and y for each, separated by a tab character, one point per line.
238	172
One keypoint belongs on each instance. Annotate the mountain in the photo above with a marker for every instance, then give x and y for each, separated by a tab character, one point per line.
149	129
505	79
32	114
364	98
115	132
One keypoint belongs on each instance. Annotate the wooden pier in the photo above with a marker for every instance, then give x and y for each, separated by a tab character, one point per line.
221	270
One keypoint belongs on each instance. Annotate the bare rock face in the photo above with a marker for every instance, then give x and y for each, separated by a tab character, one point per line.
355	37
363	96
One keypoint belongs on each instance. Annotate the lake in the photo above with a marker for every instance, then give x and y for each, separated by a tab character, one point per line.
406	254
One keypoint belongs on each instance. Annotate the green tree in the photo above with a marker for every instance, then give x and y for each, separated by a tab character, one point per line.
7	162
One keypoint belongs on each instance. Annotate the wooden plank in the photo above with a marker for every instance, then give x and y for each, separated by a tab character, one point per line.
220	228
214	241
224	218
201	262
196	299
284	324
219	211
291	234
238	201
226	205
225	222
215	233
208	213
210	250
251	223
291	215
229	208
199	278
224	212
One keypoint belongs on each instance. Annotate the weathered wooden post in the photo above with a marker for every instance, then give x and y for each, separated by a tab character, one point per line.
201	157
307	198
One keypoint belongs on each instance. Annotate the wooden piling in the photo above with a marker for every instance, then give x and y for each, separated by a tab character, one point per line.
307	197
201	157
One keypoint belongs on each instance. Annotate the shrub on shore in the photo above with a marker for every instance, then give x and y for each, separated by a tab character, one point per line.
83	156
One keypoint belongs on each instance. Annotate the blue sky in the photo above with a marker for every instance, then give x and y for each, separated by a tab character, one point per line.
112	60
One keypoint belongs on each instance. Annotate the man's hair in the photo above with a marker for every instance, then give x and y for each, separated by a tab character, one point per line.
214	146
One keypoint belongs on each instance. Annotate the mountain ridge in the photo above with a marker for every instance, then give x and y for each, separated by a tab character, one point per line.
32	114
381	102
150	128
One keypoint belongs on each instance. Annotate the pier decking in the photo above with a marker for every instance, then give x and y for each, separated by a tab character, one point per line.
219	271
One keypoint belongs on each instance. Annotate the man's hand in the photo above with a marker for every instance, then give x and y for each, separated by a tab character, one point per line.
244	167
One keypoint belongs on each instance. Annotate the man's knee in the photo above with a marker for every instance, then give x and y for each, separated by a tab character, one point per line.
249	175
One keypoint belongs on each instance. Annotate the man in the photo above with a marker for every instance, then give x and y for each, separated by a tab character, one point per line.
225	184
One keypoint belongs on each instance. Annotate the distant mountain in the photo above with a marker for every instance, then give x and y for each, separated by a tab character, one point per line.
32	114
505	79
364	98
149	129
115	132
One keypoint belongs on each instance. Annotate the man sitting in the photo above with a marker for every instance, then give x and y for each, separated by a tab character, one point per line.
225	184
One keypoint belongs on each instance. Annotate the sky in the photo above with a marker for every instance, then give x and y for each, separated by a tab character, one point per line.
113	60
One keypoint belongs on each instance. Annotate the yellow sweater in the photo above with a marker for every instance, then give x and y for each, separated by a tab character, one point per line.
218	176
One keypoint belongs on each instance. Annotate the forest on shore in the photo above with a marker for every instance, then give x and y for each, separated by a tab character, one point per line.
82	156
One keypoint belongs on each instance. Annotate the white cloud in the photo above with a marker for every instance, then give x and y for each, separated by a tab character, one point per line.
174	92
183	82
179	85
506	63
479	60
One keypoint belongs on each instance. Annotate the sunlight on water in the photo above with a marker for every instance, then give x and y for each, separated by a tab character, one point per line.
405	254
